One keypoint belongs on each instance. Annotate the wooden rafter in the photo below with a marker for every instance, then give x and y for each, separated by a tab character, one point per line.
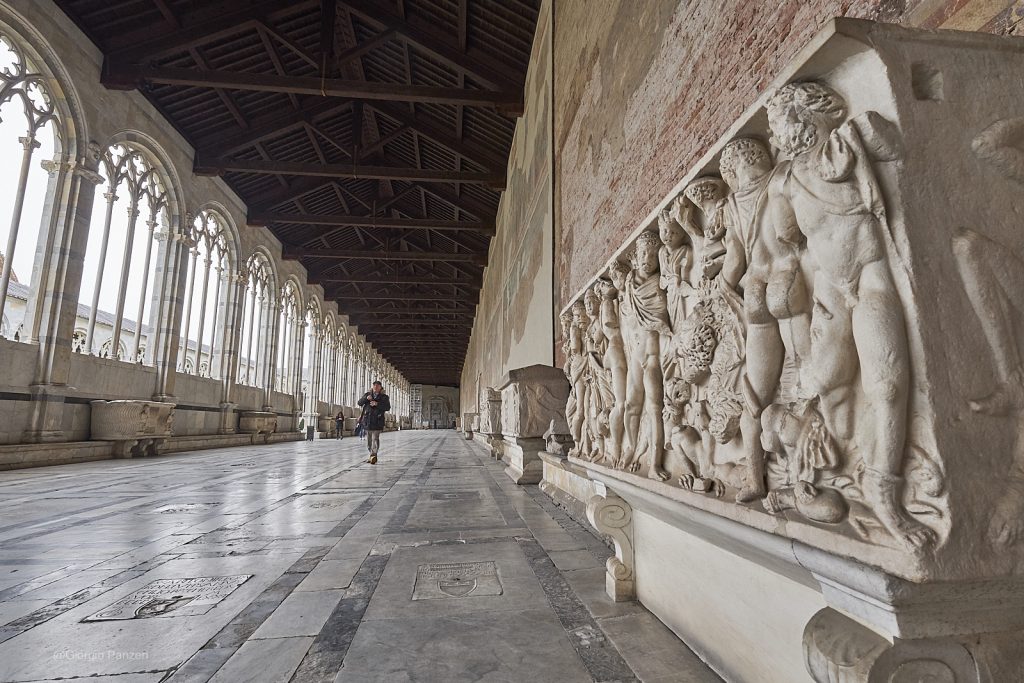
434	42
198	27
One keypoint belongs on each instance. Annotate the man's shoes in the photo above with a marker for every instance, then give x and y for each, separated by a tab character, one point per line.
373	459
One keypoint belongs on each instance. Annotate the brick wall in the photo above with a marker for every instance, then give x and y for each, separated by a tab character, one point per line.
642	89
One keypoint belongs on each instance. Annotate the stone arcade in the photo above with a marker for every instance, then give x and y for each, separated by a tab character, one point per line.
723	302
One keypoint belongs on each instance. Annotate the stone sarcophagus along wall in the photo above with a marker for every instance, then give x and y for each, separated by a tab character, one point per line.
136	427
257	422
807	357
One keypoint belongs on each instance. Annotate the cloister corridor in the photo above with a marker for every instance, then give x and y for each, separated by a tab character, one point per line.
430	566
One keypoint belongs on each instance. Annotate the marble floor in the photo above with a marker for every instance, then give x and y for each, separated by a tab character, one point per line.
301	562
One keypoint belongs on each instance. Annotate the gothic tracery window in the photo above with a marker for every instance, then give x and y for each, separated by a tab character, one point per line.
119	277
29	132
288	338
203	324
256	313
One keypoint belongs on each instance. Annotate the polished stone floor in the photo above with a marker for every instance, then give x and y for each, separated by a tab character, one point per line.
301	562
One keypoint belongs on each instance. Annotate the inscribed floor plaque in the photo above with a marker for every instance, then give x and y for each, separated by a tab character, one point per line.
456	580
172	597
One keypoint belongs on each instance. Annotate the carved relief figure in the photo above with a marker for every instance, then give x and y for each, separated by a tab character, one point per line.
598	379
707	194
619	273
644	391
674	262
757	262
578	376
993	277
614	362
826	193
572	404
797	433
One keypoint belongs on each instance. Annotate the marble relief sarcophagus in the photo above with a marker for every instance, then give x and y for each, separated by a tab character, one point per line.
814	336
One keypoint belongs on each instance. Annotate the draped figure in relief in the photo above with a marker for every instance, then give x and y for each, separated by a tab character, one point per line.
648	307
614	360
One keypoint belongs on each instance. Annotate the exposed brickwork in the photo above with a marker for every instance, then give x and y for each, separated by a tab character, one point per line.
642	89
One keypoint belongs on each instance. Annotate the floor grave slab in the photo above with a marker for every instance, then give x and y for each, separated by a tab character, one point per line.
172	598
455	495
185	507
456	580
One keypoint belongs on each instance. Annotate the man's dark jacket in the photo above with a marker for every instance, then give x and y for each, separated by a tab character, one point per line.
373	417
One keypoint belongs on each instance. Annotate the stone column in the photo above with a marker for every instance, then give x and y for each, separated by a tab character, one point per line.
295	385
167	308
234	310
58	272
530	398
268	360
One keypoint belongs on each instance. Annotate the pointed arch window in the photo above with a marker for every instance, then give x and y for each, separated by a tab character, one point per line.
288	338
118	281
203	323
256	317
29	131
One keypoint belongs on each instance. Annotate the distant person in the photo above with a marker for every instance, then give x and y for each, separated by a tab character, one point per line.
339	424
375	404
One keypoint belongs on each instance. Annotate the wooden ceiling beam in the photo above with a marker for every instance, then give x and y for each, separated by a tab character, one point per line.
124	76
221	165
398	280
264	219
409	311
333	296
298	252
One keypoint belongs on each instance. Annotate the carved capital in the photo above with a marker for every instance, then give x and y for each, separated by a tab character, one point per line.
613	517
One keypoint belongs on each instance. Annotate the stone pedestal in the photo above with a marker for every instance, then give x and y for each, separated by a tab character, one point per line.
137	428
523	458
489	431
468	421
531	398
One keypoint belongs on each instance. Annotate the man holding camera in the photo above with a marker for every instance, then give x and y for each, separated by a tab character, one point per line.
375	404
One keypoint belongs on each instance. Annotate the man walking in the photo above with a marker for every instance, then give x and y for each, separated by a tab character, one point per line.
375	404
